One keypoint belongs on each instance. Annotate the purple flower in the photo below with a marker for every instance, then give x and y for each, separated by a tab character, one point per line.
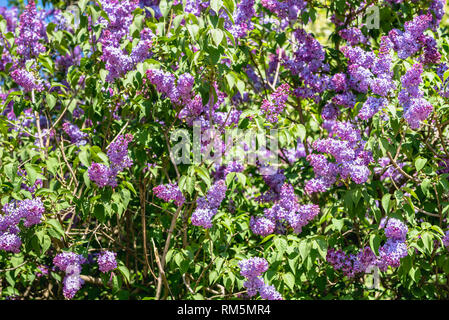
419	110
371	107
141	52
262	226
391	253
216	194
169	192
185	84
10	242
10	15
118	153
72	284
76	135
26	80
66	260
446	239
394	229
253	267
100	174
31	210
31	30
202	217
352	35
252	270
284	9
106	261
269	293
276	104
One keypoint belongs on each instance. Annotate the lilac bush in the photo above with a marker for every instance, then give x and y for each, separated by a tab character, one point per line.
238	149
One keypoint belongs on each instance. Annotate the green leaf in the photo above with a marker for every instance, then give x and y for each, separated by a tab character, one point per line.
164	7
425	185
82	4
203	174
126	196
216	5
420	163
130	187
51	100
217	36
56	226
124	271
229	4
229	178
280	244
289	279
177	21
386	202
240	86
445	76
301	131
267	238
10	170
374	242
193	30
33	174
427	239
84	157
46	243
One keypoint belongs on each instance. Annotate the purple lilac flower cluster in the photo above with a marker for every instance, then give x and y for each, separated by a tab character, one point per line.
437	7
371	107
351	160
120	16
168	192
118	61
10	15
27	80
274	182
252	269
351	264
294	154
107	261
308	64
63	62
242	18
30	210
395	248
179	91
119	160
367	72
271	109
208	206
410	41
70	263
153	4
195	6
76	135
416	108
285	9
221	171
389	254
31	31
353	36
285	210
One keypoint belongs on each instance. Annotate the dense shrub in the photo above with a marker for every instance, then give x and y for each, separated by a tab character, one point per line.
129	167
